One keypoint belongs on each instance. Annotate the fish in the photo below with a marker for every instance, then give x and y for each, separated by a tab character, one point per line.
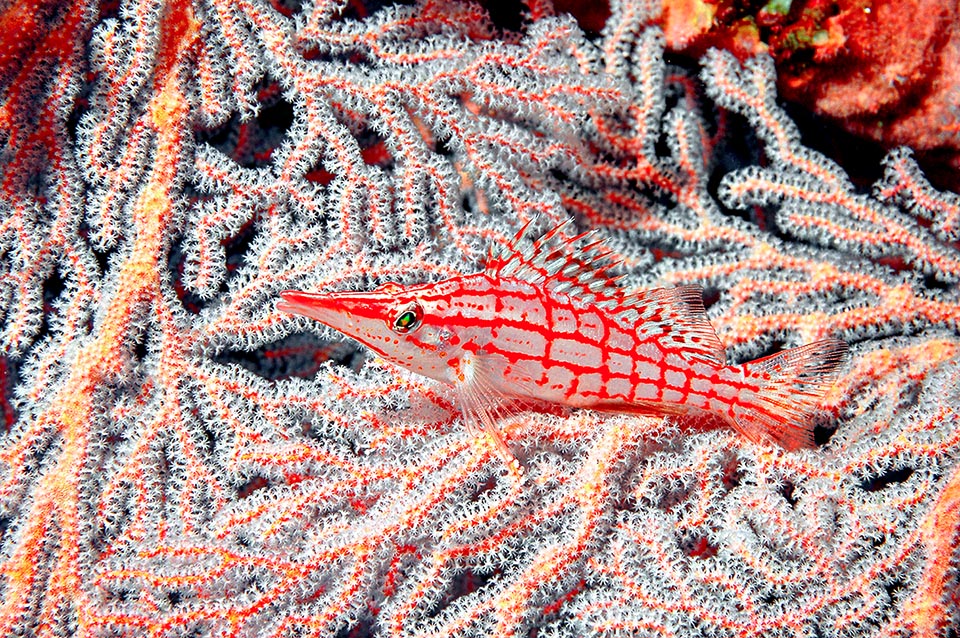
547	324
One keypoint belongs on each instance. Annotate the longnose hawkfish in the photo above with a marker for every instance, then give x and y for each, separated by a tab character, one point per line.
545	322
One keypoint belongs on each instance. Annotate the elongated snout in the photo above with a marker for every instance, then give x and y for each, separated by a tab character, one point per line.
313	305
360	315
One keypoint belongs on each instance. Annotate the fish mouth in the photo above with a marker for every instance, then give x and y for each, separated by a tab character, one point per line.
297	303
341	311
323	308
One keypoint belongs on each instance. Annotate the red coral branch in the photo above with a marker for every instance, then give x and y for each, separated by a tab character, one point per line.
183	458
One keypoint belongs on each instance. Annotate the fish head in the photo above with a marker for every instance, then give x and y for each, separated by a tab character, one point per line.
403	324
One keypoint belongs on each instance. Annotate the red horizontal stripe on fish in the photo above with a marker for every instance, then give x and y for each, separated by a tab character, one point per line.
546	323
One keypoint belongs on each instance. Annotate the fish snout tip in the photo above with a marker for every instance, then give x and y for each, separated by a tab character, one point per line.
296	302
325	308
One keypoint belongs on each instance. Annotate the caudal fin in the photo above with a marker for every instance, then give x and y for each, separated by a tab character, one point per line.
791	384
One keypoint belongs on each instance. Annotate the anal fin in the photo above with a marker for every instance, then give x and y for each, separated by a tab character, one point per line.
641	408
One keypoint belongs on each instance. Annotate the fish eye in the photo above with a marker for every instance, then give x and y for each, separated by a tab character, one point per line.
408	319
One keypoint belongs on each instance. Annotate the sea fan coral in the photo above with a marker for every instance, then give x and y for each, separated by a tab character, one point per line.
180	458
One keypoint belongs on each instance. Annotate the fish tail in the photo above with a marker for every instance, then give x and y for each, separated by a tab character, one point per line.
788	386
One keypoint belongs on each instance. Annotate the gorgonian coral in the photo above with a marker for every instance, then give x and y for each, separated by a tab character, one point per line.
181	458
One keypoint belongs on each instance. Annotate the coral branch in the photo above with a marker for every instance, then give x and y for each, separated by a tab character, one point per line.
179	457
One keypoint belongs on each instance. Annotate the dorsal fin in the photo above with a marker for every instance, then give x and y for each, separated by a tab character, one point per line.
678	316
578	264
